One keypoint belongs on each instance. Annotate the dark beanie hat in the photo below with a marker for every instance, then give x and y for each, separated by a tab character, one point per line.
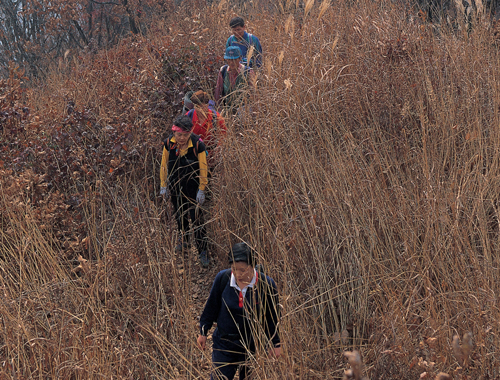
241	252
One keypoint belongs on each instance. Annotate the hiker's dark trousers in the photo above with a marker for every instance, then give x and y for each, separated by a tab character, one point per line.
225	364
185	209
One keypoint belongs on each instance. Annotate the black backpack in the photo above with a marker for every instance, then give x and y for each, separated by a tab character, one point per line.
195	139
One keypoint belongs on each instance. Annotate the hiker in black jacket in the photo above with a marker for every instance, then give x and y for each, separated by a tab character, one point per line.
244	303
183	177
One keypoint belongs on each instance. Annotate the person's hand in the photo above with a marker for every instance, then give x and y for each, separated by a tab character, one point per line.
164	192
275	351
200	197
202	342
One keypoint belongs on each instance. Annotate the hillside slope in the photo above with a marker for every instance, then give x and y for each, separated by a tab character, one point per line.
366	176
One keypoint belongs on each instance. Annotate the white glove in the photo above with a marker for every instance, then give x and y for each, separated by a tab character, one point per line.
164	192
200	197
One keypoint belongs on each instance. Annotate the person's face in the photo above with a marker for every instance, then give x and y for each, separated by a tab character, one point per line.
182	137
242	272
238	31
233	63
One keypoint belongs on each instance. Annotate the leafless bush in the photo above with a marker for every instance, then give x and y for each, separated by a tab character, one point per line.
365	174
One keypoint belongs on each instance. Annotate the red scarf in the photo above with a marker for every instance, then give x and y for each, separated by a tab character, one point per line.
240	295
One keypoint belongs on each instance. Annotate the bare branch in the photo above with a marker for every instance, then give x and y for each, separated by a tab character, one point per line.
80	31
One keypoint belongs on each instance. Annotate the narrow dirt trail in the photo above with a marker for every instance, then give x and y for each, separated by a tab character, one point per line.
198	282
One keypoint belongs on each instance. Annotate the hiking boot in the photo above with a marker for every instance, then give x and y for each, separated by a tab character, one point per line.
204	261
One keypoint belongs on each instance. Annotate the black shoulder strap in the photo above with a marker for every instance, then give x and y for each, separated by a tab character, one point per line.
225	280
224	71
195	140
266	290
262	283
246	71
166	143
214	120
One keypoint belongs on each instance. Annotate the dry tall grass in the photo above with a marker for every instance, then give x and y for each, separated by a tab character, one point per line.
367	179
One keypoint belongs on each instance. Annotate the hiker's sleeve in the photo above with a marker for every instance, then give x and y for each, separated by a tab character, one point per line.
273	313
219	88
212	307
164	168
202	161
228	42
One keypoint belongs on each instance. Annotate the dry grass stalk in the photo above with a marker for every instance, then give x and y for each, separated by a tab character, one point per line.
365	228
356	371
335	42
289	24
462	351
443	376
250	53
308	7
281	56
221	5
323	8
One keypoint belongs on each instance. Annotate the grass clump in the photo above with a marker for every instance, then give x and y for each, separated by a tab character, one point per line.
365	176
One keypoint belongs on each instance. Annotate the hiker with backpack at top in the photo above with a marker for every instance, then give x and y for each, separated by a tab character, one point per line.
244	303
208	124
244	40
183	179
233	82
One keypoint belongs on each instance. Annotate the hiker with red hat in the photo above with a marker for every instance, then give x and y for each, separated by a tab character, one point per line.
244	304
183	179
